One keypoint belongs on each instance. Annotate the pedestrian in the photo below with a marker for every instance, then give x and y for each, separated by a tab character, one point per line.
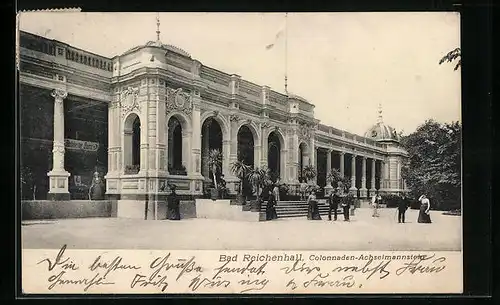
276	192
271	207
303	190
346	204
402	207
313	209
173	211
333	202
376	199
425	206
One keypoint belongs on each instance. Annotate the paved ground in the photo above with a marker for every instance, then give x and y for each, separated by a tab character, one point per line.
362	233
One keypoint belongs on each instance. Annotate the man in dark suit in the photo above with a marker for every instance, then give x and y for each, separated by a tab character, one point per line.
333	202
403	205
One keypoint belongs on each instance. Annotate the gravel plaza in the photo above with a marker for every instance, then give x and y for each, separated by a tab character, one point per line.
362	233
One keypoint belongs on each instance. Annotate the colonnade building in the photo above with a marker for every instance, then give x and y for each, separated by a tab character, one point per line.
150	116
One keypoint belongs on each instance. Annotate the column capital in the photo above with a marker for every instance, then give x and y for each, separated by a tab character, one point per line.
59	94
342	153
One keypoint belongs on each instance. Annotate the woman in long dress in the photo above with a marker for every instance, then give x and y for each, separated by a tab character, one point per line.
173	212
271	207
425	206
313	208
96	190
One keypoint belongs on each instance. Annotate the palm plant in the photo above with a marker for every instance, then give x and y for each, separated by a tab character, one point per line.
240	170
259	178
335	177
214	160
309	172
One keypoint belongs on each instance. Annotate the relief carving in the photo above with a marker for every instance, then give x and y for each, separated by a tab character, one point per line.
179	100
234	118
128	100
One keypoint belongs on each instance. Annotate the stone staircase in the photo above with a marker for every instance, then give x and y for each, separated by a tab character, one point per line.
286	209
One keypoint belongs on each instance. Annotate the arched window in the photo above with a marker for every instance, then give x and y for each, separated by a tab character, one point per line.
175	149
132	144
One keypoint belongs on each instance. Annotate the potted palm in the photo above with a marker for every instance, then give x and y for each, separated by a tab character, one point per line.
309	173
215	163
240	170
258	177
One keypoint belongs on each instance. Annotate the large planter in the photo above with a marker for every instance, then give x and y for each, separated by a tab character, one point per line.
214	194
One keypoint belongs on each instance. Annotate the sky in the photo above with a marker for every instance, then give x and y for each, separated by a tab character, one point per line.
346	64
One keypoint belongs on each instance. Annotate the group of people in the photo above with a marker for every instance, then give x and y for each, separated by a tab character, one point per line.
339	197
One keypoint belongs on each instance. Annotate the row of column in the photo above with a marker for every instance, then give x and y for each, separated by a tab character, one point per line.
363	189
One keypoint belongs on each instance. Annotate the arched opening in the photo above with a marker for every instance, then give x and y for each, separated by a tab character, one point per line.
274	155
211	138
245	146
175	149
132	144
303	159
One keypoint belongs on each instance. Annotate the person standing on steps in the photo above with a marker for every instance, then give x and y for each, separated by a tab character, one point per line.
333	203
403	205
271	213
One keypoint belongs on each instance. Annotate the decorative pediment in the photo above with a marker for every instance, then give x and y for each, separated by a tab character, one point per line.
128	100
178	100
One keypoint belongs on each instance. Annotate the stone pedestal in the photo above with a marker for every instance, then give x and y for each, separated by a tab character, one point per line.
58	185
363	192
328	190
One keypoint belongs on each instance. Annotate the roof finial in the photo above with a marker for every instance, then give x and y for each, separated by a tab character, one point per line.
157	26
379	120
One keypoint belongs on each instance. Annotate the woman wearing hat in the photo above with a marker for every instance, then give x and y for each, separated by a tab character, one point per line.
173	212
425	206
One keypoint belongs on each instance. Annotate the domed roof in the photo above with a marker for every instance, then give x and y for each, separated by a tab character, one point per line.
382	132
159	44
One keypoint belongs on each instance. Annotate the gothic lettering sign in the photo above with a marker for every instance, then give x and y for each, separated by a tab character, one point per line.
81	145
128	100
179	100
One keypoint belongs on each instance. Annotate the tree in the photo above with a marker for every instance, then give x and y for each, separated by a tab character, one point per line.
215	163
434	163
451	56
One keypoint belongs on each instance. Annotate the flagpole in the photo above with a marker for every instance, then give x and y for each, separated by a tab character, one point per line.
286	53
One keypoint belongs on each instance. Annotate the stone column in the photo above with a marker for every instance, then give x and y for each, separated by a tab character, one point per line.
342	171
328	187
58	176
204	154
264	145
372	182
353	188
382	175
363	190
196	138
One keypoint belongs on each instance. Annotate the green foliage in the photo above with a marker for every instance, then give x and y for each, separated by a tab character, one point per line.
434	163
451	56
335	177
309	172
214	160
259	177
240	170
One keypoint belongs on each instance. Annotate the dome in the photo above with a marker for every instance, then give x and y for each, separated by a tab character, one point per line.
159	44
381	131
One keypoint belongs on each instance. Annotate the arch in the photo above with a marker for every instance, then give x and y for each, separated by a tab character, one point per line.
221	120
280	135
132	143
183	119
304	158
275	155
253	129
178	145
246	145
212	137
